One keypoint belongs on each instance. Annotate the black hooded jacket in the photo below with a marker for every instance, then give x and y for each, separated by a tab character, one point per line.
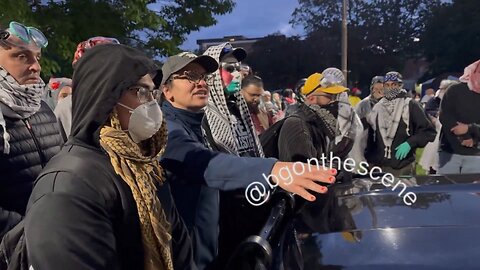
81	214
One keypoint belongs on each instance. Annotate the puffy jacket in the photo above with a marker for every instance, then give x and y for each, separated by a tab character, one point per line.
33	141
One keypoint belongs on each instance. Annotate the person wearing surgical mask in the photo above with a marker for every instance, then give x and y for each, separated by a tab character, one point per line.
398	126
99	193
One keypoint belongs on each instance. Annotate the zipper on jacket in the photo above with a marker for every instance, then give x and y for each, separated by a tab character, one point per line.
37	143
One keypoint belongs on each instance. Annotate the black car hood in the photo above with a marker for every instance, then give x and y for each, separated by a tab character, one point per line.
365	225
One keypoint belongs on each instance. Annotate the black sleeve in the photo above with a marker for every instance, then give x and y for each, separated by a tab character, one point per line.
8	220
422	129
182	250
474	131
295	142
448	111
67	226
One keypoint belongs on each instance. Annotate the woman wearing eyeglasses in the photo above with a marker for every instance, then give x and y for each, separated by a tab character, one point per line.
29	135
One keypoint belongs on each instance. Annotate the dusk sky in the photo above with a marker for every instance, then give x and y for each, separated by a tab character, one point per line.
250	18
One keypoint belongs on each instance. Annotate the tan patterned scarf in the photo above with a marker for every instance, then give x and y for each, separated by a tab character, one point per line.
140	171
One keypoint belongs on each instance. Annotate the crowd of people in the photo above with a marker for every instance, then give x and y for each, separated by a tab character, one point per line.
131	166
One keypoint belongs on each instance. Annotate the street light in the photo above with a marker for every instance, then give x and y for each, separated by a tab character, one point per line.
344	39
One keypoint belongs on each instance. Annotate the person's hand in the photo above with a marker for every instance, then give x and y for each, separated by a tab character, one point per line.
459	129
402	150
467	143
292	178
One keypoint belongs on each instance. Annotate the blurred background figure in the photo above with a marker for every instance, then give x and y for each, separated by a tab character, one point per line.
252	91
270	107
245	70
429	94
57	89
429	159
277	100
354	96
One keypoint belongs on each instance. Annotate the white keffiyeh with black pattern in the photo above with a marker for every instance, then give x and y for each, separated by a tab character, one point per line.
17	101
388	114
221	122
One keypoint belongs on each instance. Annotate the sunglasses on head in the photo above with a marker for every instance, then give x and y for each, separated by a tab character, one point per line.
25	34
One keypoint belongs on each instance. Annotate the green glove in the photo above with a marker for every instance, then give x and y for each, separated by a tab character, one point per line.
402	150
233	87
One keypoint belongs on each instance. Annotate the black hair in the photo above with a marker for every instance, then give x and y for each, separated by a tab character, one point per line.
252	79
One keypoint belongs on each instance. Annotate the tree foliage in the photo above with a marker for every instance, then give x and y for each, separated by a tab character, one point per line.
451	40
382	36
156	26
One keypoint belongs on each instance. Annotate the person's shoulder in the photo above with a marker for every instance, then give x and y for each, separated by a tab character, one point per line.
80	171
457	88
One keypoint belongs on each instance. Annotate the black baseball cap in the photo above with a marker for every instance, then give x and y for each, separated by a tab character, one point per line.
238	53
179	61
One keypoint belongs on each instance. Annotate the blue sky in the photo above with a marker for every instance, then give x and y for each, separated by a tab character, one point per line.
250	18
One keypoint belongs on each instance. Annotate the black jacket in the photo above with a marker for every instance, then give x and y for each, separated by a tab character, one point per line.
303	136
33	141
459	104
432	106
422	131
81	214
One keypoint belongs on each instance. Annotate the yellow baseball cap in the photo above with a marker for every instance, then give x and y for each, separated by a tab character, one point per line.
319	83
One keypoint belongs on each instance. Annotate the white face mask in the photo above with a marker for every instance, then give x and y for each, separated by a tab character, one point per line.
145	121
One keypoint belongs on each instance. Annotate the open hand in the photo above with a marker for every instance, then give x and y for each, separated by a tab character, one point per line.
291	177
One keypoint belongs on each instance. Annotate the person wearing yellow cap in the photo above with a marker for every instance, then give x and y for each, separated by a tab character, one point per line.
324	123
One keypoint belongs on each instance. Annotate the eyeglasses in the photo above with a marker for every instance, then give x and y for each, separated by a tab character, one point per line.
231	67
191	76
146	95
25	33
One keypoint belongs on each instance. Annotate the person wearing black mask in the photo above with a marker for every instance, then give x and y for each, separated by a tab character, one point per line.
398	126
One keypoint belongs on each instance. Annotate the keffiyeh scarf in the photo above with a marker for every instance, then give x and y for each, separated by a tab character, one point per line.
346	124
220	120
388	114
17	102
141	171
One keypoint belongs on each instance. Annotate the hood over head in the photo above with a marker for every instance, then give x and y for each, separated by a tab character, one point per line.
99	80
